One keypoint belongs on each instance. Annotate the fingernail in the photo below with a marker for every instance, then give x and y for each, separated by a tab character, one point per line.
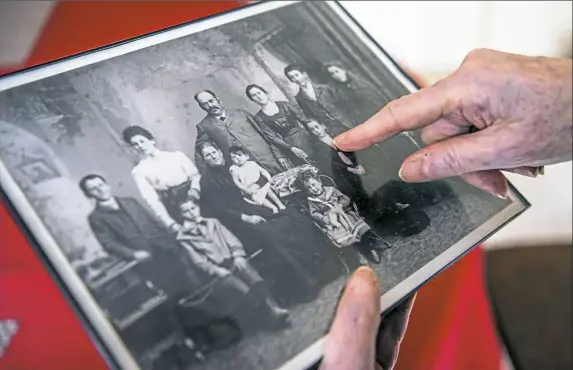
410	170
400	174
524	172
500	196
366	272
361	275
337	140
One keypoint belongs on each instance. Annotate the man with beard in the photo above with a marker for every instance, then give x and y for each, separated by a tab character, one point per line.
236	127
297	258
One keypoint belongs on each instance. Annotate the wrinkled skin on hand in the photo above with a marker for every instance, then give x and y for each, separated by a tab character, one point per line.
359	338
521	106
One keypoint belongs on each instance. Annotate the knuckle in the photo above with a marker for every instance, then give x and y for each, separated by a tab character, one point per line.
451	162
427	135
479	102
392	109
471	88
476	54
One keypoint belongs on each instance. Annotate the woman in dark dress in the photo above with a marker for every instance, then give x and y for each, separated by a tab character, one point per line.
358	99
296	265
282	125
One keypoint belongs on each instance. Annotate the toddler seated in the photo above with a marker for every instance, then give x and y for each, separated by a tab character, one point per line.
336	215
253	181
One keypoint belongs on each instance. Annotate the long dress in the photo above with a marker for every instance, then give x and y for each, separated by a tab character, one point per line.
164	181
286	130
297	259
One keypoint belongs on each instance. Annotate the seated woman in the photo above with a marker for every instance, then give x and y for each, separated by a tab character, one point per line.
281	124
253	180
297	265
163	178
337	217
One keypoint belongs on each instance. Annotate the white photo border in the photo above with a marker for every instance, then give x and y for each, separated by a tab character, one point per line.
72	281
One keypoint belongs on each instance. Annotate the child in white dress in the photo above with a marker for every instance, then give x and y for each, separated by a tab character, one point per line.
253	180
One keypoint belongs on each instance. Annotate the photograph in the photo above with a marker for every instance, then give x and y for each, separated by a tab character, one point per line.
186	187
38	171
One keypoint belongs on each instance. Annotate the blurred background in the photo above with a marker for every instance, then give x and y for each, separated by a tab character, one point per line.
431	39
531	285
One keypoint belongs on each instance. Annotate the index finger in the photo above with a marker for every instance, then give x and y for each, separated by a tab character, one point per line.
409	112
351	341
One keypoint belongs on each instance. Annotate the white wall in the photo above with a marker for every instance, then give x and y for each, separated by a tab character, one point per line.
432	38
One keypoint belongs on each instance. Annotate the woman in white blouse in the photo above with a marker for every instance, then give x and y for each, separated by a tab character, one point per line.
163	178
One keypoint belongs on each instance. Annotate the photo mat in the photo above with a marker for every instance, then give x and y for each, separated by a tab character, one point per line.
68	120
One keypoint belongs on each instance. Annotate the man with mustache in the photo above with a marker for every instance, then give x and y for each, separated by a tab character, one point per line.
235	127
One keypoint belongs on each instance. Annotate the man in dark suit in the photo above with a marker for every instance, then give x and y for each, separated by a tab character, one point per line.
317	101
126	230
236	127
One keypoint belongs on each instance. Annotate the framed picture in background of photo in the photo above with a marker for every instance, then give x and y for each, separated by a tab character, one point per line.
184	190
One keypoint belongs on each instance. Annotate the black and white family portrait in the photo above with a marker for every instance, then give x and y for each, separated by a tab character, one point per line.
194	187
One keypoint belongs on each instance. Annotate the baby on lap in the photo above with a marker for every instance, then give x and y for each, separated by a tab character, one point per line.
253	180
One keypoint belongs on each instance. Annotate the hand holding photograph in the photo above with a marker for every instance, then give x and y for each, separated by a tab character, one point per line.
185	189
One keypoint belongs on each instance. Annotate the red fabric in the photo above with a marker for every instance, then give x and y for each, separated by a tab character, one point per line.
49	335
451	326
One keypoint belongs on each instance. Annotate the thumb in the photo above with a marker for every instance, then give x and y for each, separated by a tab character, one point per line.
350	344
459	155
